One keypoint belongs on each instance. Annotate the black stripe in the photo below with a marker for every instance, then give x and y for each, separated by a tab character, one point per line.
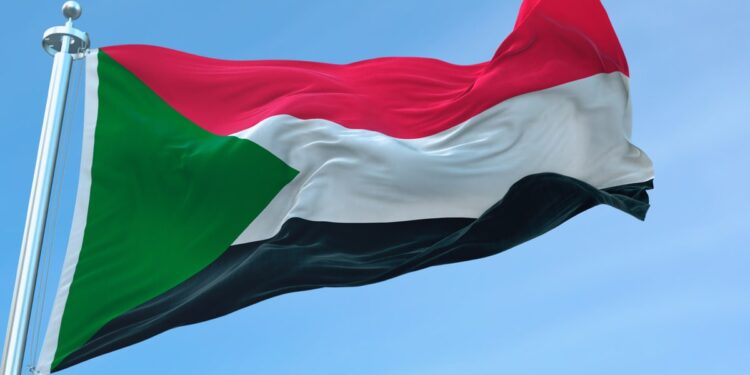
307	255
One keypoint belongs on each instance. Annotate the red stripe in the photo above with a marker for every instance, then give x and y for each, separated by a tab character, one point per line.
554	42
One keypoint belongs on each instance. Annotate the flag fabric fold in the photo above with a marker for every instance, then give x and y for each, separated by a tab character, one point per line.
209	185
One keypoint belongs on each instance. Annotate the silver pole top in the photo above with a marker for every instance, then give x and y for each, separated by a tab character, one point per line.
53	38
71	10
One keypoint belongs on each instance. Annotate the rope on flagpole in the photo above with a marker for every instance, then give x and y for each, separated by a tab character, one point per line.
48	250
65	43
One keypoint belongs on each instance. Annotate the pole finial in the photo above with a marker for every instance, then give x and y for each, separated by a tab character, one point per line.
67	39
71	10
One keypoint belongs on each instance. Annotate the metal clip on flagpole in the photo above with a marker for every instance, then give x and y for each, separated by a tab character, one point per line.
65	44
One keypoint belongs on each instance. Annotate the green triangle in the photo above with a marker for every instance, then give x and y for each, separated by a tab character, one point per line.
167	199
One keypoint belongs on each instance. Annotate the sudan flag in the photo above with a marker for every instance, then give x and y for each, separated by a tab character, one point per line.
210	185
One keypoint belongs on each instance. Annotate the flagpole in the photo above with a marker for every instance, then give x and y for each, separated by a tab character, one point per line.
65	44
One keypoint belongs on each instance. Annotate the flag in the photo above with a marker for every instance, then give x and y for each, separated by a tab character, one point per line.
209	185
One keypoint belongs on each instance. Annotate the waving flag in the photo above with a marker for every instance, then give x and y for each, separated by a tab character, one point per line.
209	185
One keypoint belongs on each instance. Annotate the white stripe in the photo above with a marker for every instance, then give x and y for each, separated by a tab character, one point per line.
79	216
580	129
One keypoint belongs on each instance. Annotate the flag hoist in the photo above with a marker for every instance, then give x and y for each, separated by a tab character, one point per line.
66	44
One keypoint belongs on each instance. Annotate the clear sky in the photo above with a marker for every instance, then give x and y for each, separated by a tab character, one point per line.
602	294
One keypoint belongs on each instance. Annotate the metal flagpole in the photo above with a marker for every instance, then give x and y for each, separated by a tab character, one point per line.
66	44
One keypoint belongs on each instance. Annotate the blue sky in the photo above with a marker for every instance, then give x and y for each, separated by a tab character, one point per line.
604	293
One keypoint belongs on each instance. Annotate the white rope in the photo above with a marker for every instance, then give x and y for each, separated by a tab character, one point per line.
48	248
